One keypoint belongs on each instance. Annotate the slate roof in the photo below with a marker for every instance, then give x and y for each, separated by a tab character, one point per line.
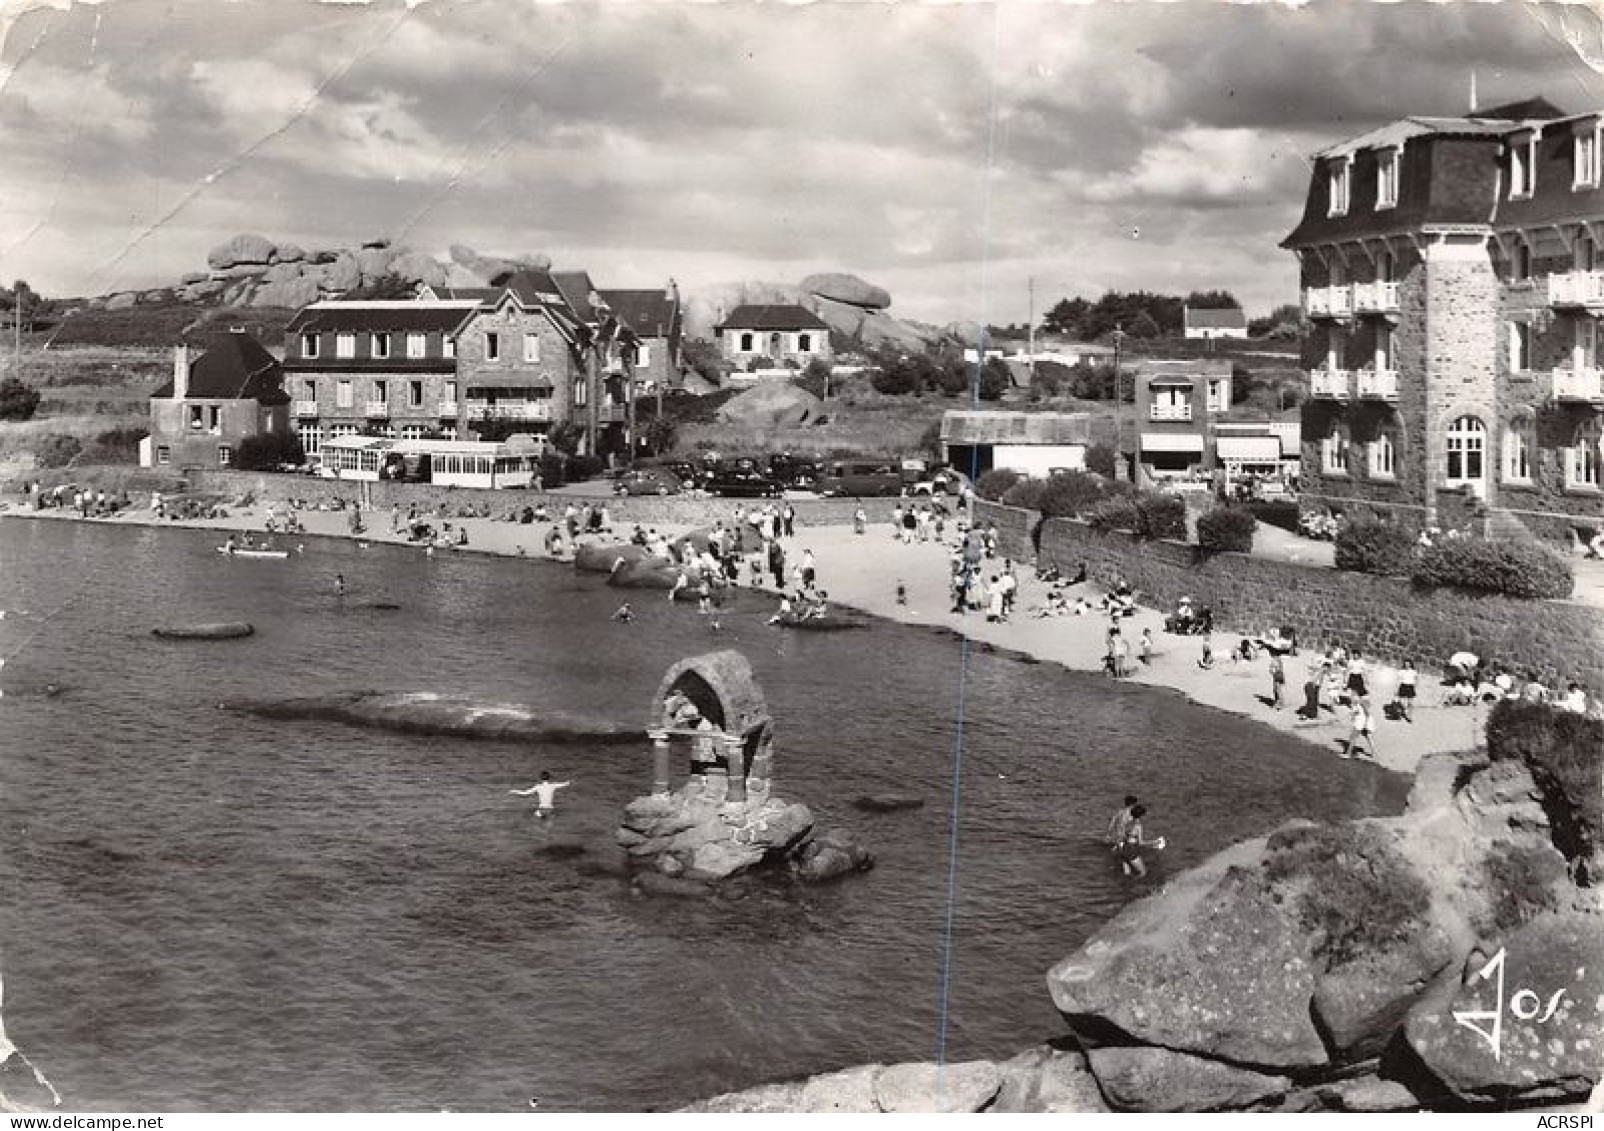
397	317
772	316
576	288
235	366
650	313
1226	318
1015	427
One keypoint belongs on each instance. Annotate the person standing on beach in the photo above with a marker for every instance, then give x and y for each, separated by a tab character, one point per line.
1278	679
860	521
545	794
1359	731
789	515
1403	701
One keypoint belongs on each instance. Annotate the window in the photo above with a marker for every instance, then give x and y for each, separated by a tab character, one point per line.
450	395
225	455
531	347
1518	450
342	395
1383	453
414	394
1582	469
381	345
417	345
1336	349
1520	263
1523	167
345	345
308	345
1337	187
804	343
643	356
1586	163
1387	179
309	388
1466	444
413	431
581	391
1520	347
1334	451
1216	395
164	455
1584	253
214	419
492	345
1584	350
448	347
311	438
746	343
381	392
1386	266
196	420
1383	359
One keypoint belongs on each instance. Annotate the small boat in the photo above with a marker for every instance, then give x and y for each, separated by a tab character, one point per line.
242	552
215	630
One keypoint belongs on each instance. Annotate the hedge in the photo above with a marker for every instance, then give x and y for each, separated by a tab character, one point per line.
1147	514
1276	512
1227	529
1481	565
1366	545
1070	494
1027	493
1565	753
994	484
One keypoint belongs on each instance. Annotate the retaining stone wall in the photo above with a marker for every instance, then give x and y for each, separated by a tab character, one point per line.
1016	528
649	510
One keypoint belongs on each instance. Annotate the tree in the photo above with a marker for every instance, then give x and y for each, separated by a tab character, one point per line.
703	357
266	451
57	450
1066	317
565	437
661	434
17	401
1212	300
995	379
1143	326
1100	459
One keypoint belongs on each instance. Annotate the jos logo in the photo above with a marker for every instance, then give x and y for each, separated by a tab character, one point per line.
1523	1003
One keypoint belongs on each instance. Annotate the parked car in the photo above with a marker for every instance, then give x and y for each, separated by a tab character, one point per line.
941	480
648	481
745	479
797	474
862	479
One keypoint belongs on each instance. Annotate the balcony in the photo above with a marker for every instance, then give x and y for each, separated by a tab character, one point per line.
1378	384
1375	298
1577	289
1328	302
1181	411
304	408
1329	384
448	410
509	410
613	413
1579	384
376	410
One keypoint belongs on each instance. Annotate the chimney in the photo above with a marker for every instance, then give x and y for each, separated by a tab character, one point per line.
180	372
671	292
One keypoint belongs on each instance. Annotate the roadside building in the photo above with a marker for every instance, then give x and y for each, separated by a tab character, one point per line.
1178	403
1032	443
1222	322
1451	272
214	402
656	320
778	332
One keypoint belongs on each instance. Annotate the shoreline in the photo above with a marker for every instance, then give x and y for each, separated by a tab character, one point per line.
862	572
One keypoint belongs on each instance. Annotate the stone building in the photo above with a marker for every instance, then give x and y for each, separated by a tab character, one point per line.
777	332
1177	405
657	320
1450	270
213	403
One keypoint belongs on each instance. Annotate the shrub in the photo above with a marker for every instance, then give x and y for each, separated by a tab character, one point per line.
266	450
1365	545
759	362
584	467
1227	529
1100	460
1115	514
1070	494
1163	516
1355	891
1276	512
17	401
1565	753
995	379
551	471
1483	565
994	484
57	450
1026	493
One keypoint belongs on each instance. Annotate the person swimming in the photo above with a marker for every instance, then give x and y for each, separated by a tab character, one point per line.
544	792
624	613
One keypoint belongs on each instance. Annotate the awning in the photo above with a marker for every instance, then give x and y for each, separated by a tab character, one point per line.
1250	449
1184	382
1172	442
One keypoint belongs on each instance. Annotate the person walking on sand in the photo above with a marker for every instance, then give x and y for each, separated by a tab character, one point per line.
1359	731
1206	660
860	521
1278	680
1144	647
544	792
1403	700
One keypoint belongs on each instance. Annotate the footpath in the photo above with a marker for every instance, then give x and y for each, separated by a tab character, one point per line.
863	571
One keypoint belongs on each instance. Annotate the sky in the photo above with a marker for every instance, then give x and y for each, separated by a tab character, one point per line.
949	153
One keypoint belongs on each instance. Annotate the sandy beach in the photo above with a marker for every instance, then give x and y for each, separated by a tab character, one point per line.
862	572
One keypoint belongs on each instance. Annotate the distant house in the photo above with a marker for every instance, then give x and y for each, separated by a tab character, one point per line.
1177	403
214	402
1032	443
780	332
657	321
1225	322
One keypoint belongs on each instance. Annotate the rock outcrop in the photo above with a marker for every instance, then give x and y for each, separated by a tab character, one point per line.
1354	967
691	833
848	289
246	249
23	1088
771	404
424	712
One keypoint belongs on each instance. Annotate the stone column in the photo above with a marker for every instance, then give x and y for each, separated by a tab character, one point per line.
735	755
660	782
760	777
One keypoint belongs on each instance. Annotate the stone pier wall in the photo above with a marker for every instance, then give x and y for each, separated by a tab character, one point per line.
1383	617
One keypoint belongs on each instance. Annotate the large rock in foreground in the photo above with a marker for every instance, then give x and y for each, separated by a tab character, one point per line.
693	833
1154	1079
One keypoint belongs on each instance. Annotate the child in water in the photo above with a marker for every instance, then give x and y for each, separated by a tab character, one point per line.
1130	847
545	794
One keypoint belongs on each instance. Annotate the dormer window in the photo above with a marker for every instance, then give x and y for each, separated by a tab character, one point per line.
1337	178
1387	179
1585	160
1522	166
308	345
381	345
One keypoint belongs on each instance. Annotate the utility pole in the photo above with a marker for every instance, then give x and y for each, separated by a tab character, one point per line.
16	322
1030	330
1119	435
